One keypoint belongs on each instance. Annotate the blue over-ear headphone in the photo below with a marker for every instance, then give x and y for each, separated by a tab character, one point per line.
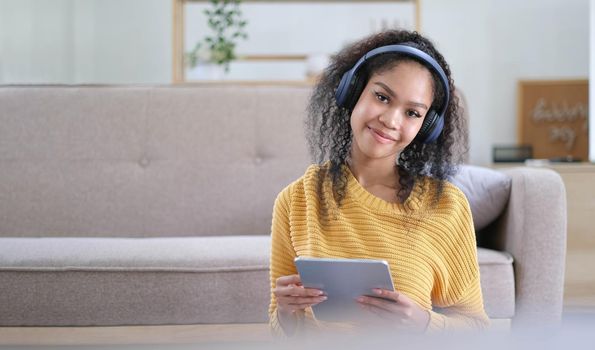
352	85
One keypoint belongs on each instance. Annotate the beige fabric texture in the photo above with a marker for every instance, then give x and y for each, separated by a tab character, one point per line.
185	280
152	205
118	281
487	191
195	254
146	161
497	282
533	230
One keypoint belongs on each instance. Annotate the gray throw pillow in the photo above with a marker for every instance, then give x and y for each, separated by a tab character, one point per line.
487	191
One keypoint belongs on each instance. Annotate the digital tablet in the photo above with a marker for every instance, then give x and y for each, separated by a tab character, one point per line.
343	280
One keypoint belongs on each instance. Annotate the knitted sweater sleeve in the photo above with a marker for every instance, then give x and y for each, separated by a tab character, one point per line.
457	295
282	254
282	263
466	314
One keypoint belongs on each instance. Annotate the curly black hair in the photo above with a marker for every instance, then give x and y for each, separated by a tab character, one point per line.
329	132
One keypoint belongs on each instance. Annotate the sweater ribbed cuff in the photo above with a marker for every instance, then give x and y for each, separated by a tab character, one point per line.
277	329
437	323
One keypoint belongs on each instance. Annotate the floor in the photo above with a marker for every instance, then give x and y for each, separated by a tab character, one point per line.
128	335
576	333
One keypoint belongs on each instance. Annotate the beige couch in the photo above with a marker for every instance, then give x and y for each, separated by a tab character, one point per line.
137	205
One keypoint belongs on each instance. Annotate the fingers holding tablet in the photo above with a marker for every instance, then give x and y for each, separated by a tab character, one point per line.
292	296
397	306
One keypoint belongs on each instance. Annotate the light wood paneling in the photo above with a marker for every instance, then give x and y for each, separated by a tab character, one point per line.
178	41
255	336
579	286
255	333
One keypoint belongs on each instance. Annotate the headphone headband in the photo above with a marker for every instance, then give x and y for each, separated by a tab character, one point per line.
347	89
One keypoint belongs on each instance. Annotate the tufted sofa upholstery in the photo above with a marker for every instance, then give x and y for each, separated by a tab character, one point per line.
142	205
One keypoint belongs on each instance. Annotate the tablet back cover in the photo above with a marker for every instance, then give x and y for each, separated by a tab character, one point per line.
343	280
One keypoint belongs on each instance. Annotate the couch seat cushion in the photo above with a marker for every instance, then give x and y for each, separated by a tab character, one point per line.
120	281
145	281
195	254
497	282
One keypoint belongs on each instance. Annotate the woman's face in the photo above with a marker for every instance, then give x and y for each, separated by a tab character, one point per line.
390	111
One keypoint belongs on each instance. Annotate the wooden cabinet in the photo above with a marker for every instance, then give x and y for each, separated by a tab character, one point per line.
579	285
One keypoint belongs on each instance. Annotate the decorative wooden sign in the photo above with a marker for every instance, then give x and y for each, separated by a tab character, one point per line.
553	118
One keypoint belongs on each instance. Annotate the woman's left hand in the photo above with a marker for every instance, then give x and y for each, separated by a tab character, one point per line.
397	309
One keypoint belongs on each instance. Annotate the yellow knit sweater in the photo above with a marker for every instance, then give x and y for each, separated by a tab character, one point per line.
430	247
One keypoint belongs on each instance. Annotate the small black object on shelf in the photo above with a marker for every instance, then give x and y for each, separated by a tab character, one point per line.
511	154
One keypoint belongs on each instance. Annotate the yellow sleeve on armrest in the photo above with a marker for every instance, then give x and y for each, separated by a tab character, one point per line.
466	314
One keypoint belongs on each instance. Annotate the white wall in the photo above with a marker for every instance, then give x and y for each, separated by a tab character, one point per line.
35	43
132	41
278	29
85	41
491	44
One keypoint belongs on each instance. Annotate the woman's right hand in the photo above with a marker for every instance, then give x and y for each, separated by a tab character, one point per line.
292	296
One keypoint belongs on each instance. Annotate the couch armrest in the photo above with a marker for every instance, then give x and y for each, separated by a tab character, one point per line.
533	230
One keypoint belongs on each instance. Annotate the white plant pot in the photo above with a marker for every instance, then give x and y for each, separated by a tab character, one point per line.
205	71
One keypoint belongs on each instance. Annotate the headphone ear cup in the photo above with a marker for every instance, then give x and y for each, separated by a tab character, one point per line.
431	127
343	90
354	92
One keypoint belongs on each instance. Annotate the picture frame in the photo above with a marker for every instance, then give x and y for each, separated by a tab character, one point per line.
553	118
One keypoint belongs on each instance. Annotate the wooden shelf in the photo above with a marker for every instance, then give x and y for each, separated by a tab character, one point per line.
178	40
249	82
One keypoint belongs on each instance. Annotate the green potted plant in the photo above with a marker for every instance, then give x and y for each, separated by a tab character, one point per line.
227	27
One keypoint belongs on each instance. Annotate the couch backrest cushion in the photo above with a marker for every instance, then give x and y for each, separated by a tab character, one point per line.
487	191
143	161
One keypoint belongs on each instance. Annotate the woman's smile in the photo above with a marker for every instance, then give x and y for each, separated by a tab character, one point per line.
381	137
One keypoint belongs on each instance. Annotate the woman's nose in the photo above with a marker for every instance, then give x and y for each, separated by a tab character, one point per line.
391	118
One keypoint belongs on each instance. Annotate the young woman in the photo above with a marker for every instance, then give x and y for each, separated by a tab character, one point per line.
384	127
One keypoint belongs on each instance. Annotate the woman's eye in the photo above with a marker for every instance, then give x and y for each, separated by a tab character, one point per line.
413	114
381	98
